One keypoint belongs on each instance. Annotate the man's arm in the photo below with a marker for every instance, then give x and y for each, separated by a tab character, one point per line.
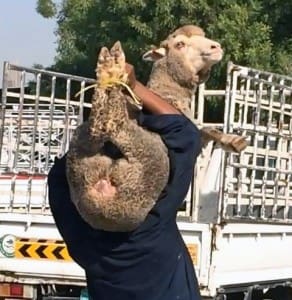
72	227
183	141
150	101
181	137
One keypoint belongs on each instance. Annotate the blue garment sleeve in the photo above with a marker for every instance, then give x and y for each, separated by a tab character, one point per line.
183	141
74	230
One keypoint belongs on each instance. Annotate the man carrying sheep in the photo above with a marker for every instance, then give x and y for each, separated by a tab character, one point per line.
150	262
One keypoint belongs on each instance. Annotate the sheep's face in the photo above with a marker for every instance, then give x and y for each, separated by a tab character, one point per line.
196	52
187	56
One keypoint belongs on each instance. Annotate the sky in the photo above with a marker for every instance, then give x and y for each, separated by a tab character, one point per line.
26	37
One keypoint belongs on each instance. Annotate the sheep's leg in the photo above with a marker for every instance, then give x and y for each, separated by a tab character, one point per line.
109	118
108	110
108	113
228	142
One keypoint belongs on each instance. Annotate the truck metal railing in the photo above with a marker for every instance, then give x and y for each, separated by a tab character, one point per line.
194	205
35	126
258	182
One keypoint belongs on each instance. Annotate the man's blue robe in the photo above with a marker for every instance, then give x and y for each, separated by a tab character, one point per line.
151	262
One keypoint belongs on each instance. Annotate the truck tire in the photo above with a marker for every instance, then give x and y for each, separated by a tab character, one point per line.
279	293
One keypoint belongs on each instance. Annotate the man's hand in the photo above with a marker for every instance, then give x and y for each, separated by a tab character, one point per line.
152	102
131	75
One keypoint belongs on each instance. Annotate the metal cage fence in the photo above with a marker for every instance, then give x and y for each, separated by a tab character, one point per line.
35	127
258	182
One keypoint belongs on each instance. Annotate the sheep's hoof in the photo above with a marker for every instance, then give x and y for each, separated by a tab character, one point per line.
233	143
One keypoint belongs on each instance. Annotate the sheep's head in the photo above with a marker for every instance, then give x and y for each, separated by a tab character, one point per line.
188	55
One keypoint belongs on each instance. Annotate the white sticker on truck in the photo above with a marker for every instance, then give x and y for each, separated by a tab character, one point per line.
7	245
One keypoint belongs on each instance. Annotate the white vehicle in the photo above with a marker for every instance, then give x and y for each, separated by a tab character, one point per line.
237	217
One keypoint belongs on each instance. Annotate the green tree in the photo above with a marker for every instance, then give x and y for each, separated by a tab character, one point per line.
279	18
47	8
250	32
255	33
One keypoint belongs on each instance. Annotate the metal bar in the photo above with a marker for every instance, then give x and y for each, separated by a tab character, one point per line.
50	124
201	104
81	102
35	135
256	122
259	80
243	171
50	132
264	102
278	158
289	177
267	146
14	168
283	147
51	73
19	120
35	123
260	168
48	99
265	73
3	105
10	139
241	116
66	136
286	163
223	191
212	92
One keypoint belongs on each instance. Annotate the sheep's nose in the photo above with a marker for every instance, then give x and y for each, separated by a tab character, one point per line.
215	46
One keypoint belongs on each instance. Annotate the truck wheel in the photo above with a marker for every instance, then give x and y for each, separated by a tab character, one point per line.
257	295
279	293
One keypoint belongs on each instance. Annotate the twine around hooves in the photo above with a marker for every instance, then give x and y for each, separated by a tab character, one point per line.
108	83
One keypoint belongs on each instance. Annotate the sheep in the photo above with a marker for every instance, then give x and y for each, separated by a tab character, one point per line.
116	170
176	82
112	150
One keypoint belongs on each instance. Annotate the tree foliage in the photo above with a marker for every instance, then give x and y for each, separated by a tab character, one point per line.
255	33
47	8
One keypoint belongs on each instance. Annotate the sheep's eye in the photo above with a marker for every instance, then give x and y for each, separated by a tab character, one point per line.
179	45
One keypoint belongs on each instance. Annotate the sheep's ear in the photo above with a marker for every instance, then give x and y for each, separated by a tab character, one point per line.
154	54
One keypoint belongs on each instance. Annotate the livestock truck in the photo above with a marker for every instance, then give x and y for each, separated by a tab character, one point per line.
237	216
